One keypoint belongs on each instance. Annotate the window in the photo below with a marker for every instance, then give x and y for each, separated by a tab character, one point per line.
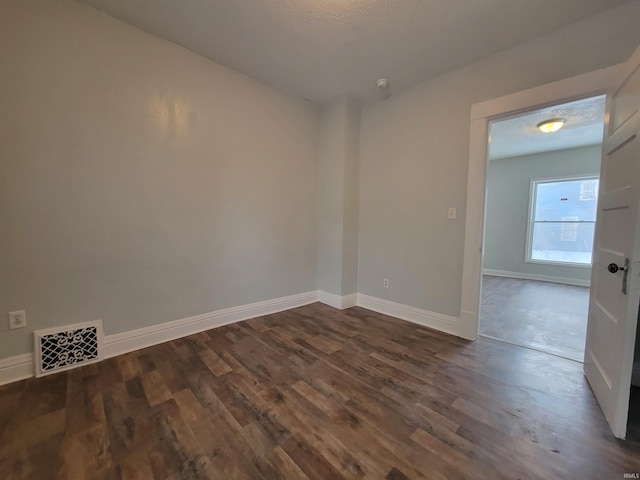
563	214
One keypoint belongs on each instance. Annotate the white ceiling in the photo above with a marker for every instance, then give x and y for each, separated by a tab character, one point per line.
519	135
320	49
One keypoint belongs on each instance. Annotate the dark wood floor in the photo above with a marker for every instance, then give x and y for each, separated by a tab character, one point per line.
550	317
313	393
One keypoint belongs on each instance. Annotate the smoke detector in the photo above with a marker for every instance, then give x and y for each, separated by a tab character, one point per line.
383	88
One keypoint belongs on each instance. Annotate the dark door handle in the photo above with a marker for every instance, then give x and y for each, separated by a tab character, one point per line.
613	268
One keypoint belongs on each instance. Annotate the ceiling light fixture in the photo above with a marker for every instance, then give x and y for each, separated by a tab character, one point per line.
550	126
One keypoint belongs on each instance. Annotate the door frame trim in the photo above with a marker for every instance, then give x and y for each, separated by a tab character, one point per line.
582	86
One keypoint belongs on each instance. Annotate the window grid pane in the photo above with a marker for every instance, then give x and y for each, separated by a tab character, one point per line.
563	222
558	199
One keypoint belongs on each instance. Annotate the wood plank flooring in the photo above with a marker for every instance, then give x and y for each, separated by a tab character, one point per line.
313	393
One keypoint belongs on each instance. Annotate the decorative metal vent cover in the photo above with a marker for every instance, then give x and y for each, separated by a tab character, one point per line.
68	347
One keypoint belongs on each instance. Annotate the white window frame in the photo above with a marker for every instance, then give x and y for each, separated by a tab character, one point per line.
530	219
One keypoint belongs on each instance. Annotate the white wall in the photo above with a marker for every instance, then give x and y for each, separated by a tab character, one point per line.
351	198
141	183
338	136
415	149
331	132
507	209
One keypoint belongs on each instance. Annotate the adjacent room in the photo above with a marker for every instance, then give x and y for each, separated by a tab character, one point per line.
242	240
541	205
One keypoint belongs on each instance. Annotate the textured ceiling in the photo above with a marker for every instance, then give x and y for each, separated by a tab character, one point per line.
520	136
320	49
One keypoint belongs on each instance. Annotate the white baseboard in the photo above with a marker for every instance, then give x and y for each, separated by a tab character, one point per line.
533	276
20	367
337	301
437	321
16	368
145	337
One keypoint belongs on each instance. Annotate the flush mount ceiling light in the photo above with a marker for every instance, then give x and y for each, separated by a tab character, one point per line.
550	126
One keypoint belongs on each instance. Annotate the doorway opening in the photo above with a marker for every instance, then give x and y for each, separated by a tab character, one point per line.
613	310
540	208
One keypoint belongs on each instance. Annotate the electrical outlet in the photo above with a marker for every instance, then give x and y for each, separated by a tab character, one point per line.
17	319
451	214
385	283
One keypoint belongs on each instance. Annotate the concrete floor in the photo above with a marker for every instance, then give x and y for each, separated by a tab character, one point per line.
549	317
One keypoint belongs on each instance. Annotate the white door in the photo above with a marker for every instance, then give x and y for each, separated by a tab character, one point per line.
615	277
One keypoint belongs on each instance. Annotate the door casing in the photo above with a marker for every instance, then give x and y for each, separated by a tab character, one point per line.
575	88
